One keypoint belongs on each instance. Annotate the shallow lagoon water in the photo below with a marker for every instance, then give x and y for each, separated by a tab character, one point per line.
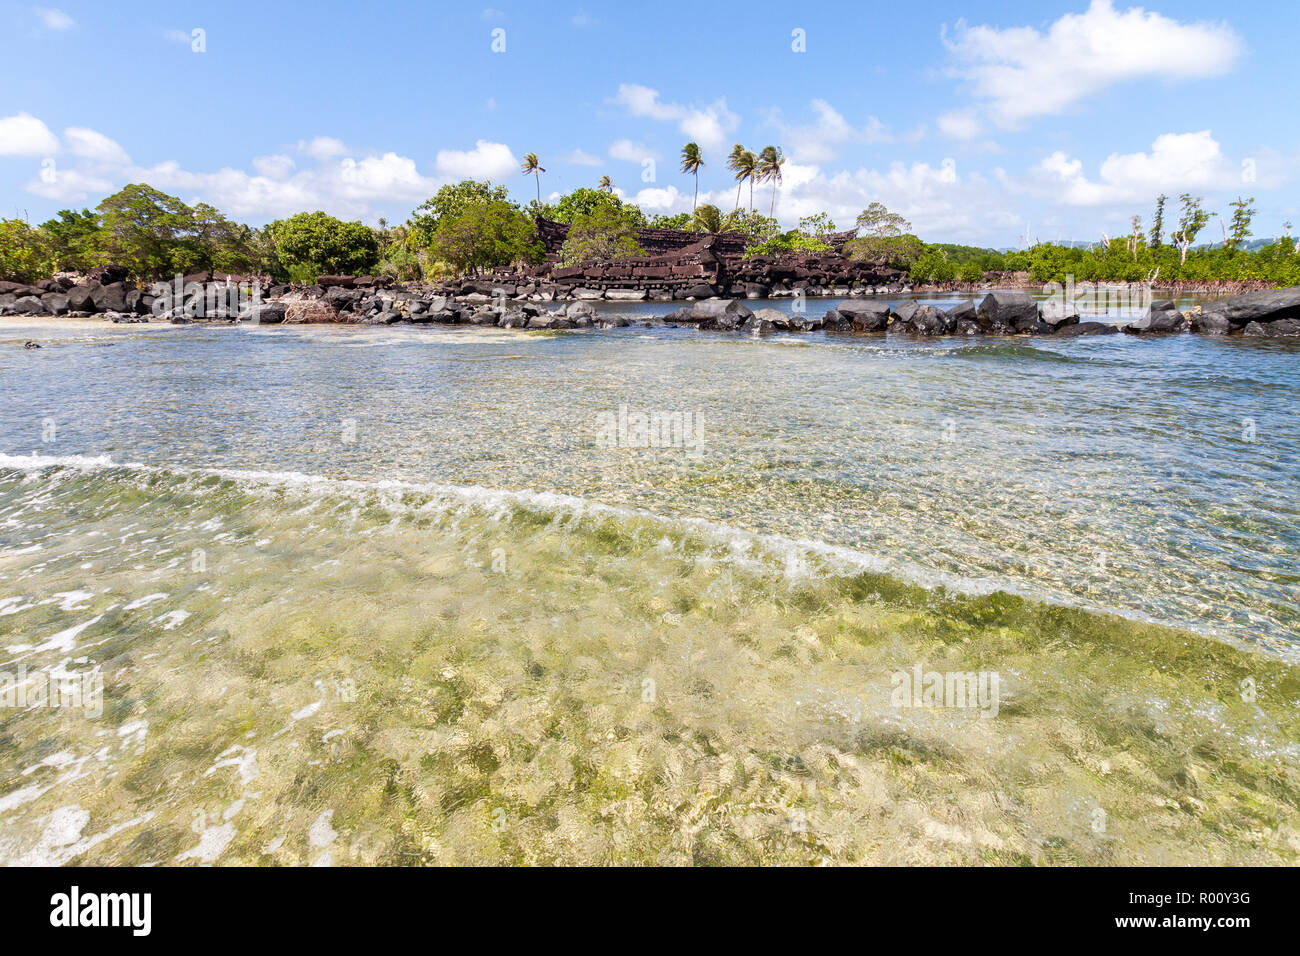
379	595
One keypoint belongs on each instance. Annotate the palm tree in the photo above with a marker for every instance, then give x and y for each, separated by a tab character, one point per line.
770	162
606	185
532	166
692	162
733	164
746	169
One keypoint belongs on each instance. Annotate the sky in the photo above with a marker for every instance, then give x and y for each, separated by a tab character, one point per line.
981	122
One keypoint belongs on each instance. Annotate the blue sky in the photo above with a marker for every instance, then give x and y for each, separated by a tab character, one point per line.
980	122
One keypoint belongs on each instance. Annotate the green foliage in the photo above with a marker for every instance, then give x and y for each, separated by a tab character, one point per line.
72	240
486	236
22	251
1242	214
886	239
450	200
315	243
681	220
604	234
583	201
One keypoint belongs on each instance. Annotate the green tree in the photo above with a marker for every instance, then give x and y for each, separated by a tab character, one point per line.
735	160
146	231
692	163
604	234
450	200
531	166
770	161
681	220
585	200
1158	222
606	185
490	236
1242	214
886	238
746	170
1190	223
312	244
72	240
23	257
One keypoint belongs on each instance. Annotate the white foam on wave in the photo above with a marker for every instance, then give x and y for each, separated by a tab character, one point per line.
746	547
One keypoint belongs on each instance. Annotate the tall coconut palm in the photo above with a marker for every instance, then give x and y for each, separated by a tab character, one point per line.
532	166
606	185
733	164
693	162
770	162
747	171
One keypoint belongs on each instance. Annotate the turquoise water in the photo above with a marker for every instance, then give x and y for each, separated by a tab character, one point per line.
465	528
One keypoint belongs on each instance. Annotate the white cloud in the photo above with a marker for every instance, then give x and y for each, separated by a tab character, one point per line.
1177	162
630	152
485	161
386	177
89	144
492	14
708	125
25	135
323	147
819	141
960	124
54	19
69	185
1022	73
579	158
277	166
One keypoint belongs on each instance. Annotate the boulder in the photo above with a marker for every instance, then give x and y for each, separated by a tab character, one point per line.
625	295
110	298
901	314
713	309
264	313
1278	327
927	320
1269	305
756	290
1211	323
1158	321
581	293
836	321
1005	312
28	305
340	282
794	323
55	303
514	319
865	316
1086	328
699	291
962	311
575	309
757	325
1057	313
108	275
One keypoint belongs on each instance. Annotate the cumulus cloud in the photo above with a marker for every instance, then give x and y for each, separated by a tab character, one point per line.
94	146
485	161
1176	162
708	125
275	167
1021	73
53	19
25	135
819	141
323	147
630	152
960	124
579	158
